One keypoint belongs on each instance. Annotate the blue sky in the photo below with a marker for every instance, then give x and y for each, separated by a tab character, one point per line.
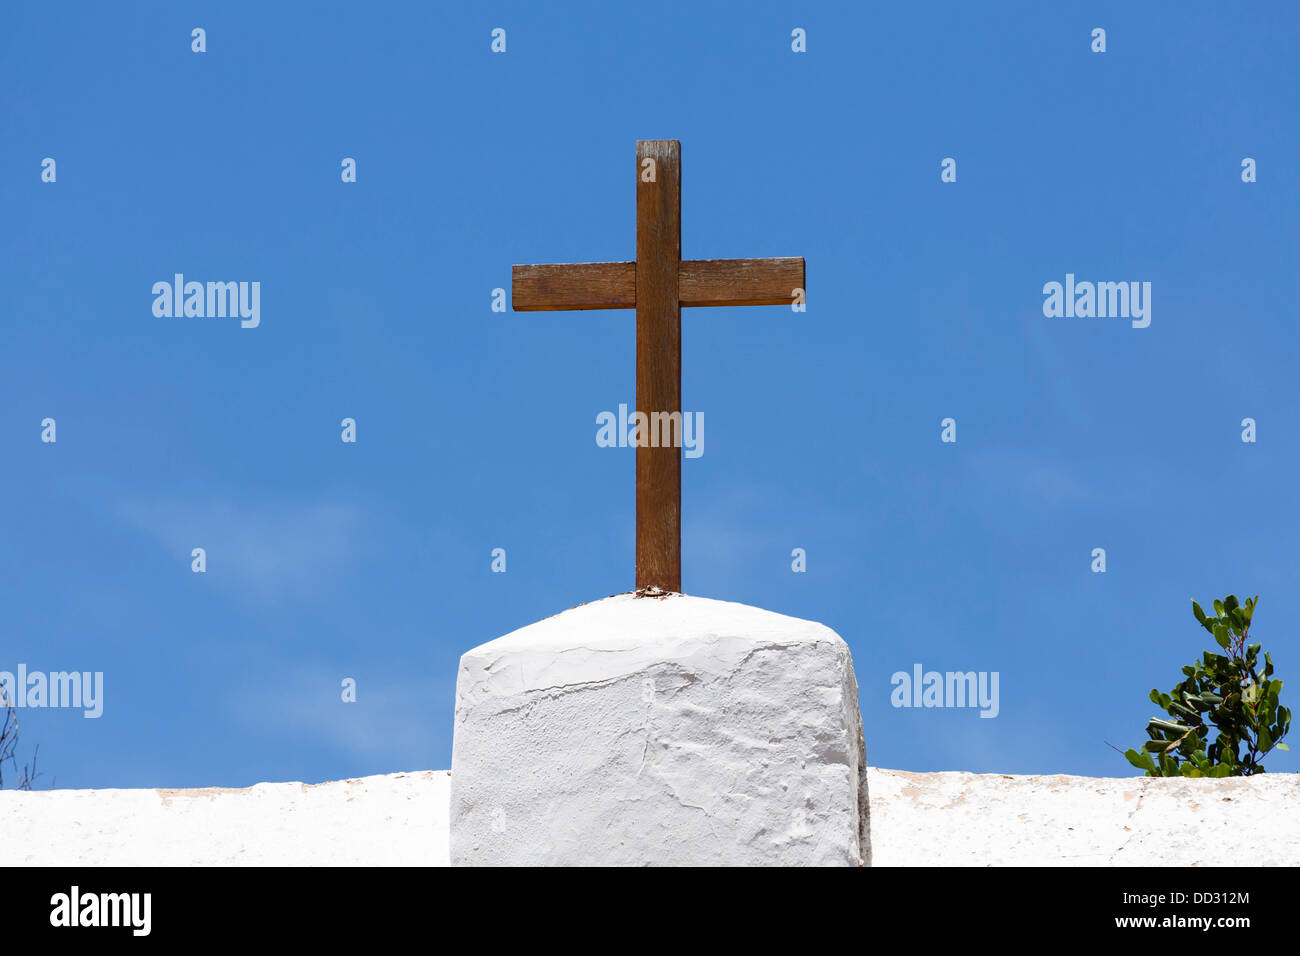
476	429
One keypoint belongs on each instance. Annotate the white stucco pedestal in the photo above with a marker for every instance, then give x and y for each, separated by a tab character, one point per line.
659	731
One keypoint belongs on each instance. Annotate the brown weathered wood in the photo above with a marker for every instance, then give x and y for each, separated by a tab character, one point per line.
658	285
706	282
658	362
574	286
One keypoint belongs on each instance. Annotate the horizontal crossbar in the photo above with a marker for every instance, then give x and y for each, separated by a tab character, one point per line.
612	285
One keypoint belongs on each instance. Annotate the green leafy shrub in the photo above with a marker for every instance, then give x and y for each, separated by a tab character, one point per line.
1240	702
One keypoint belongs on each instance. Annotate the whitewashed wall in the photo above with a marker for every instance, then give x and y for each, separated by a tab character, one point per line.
917	819
397	819
963	819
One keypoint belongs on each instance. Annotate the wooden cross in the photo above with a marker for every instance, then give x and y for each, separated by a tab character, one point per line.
657	285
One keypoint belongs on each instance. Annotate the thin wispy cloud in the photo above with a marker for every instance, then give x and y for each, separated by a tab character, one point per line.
387	725
1034	478
266	550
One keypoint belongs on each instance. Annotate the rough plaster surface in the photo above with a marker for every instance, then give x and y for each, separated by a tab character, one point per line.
965	819
398	819
659	731
917	819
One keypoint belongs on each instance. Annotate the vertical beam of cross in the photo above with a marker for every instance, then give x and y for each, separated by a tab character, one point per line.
658	360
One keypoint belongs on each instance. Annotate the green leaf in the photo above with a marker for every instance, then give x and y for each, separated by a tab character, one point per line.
1195	715
1283	747
1196	609
1142	761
